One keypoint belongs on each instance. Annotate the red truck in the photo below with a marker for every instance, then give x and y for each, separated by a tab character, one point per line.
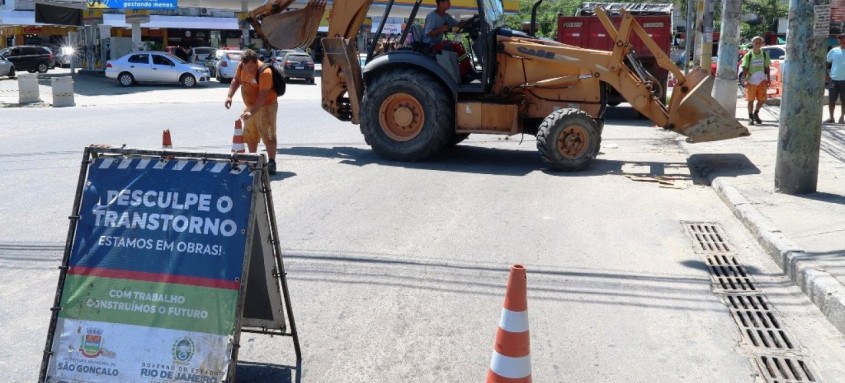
586	31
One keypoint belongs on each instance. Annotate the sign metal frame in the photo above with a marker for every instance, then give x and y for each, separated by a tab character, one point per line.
262	246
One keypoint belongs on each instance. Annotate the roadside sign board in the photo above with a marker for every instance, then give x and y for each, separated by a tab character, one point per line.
132	4
154	280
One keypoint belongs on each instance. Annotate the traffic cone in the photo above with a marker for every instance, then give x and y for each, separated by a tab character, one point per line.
238	138
166	142
511	360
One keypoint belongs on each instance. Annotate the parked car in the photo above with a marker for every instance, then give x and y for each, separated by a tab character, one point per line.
279	54
6	68
210	63
30	58
159	67
227	63
65	56
200	54
296	65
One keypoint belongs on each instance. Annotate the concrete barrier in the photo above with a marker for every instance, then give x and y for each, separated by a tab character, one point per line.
28	89
62	91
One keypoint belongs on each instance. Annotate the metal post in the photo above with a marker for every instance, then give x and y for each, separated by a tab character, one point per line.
690	35
724	89
244	25
799	137
707	35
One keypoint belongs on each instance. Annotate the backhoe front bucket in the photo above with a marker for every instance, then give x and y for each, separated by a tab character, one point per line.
293	29
695	114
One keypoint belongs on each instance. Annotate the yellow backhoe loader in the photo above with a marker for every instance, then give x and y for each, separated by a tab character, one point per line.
411	102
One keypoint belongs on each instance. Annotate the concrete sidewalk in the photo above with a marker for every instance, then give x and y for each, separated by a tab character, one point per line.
804	234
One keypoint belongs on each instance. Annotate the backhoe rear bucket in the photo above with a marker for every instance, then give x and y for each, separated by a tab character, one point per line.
695	114
293	29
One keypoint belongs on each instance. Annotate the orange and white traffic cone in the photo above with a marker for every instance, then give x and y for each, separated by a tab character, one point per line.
166	142
511	360
238	138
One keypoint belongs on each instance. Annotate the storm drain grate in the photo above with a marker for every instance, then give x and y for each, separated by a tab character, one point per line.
784	370
728	275
707	238
758	323
762	331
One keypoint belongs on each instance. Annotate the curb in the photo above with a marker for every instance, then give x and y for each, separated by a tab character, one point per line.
826	292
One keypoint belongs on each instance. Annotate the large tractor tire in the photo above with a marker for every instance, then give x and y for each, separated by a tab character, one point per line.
407	115
457	138
568	140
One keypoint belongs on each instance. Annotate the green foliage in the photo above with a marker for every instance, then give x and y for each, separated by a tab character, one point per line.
548	12
769	12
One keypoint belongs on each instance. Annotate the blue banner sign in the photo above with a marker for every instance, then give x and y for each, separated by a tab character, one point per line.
154	274
133	4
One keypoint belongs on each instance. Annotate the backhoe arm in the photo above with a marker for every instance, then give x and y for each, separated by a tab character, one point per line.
691	111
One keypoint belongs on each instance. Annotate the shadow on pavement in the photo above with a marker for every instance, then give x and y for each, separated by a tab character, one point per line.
706	166
251	372
699	265
96	84
474	159
833	142
824	197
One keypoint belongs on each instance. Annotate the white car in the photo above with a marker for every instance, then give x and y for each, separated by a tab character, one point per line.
161	67
227	64
200	54
7	68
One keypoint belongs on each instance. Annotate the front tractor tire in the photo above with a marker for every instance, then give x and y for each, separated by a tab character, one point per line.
568	140
407	115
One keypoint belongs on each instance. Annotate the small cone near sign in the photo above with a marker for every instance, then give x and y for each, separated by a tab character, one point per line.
511	360
238	138
166	142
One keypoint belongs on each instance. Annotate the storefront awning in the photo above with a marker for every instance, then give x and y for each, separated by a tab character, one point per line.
181	22
118	20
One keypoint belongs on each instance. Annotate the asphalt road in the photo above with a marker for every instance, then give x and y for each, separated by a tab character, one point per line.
397	270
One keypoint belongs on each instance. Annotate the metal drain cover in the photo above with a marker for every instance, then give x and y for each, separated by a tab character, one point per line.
728	275
758	323
778	369
707	237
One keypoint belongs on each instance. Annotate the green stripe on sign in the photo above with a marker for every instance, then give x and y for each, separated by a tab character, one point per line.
150	304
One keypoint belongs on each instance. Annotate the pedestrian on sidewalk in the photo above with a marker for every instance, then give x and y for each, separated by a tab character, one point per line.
260	105
755	65
836	77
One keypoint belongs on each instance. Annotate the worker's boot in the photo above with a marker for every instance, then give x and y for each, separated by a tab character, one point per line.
757	118
751	120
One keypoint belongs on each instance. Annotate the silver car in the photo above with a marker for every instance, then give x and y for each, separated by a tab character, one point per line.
161	67
6	68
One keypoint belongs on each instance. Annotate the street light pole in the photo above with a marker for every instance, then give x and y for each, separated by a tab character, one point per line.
724	89
799	136
690	35
707	35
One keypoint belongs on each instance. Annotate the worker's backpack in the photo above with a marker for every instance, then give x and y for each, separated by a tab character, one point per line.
279	85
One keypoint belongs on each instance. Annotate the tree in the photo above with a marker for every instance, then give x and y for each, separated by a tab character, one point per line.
550	9
768	13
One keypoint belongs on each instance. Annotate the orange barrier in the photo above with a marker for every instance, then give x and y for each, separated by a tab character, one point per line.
511	360
775	89
166	142
238	138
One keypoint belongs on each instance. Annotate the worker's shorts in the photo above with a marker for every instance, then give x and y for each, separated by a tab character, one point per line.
756	92
835	90
262	125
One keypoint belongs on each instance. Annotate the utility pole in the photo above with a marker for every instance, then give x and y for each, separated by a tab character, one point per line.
704	31
690	35
724	90
799	137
